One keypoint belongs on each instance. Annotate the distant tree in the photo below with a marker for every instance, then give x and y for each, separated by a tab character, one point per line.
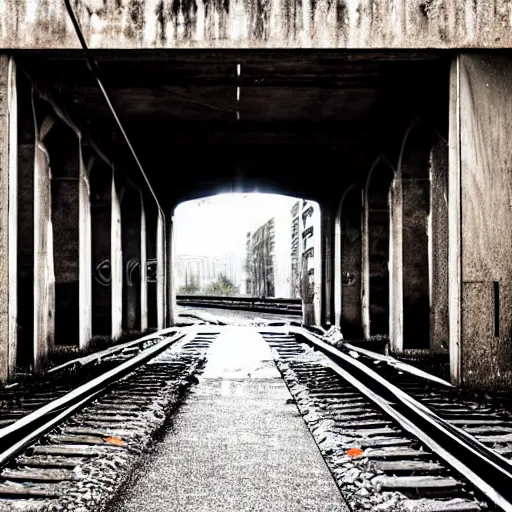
223	286
191	287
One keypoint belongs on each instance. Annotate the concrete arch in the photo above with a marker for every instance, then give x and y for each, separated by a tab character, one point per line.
347	262
375	247
420	241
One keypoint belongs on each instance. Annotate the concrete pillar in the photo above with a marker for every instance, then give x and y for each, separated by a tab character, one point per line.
480	183
8	216
161	268
348	252
71	219
152	263
43	262
172	314
413	196
419	243
438	247
327	250
375	249
107	264
26	155
143	268
133	227
116	269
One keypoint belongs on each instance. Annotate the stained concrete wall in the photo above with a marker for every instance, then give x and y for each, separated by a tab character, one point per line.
272	24
8	216
480	204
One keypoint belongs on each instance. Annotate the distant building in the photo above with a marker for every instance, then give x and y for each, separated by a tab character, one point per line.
268	270
196	273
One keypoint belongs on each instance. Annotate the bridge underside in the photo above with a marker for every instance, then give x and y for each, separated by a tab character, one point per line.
405	151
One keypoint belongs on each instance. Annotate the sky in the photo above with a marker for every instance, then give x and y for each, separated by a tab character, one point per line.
215	225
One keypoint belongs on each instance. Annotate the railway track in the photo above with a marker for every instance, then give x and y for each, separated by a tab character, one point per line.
69	454
20	399
270	305
489	422
386	451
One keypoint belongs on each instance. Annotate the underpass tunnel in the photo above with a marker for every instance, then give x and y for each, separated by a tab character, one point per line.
376	138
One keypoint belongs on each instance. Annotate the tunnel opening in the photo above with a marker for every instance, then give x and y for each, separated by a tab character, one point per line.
250	246
307	123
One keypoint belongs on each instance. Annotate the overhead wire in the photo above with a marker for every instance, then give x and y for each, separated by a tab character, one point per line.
93	67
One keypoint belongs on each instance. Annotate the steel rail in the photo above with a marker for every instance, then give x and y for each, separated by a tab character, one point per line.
15	437
284	306
483	467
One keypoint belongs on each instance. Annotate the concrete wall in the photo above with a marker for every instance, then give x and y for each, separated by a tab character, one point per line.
272	24
8	216
480	222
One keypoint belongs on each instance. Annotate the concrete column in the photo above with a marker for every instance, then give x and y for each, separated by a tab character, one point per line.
375	249
116	266
8	216
152	263
43	262
438	247
72	237
133	224
481	188
327	248
172	314
84	255
413	176
26	151
106	253
348	250
419	243
161	267
143	268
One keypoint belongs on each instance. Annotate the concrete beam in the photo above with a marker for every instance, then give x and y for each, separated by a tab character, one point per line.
8	216
274	24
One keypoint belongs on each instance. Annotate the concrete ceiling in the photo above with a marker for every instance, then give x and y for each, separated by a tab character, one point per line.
301	116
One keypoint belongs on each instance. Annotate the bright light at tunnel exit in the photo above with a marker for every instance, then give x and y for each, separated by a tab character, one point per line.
216	228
